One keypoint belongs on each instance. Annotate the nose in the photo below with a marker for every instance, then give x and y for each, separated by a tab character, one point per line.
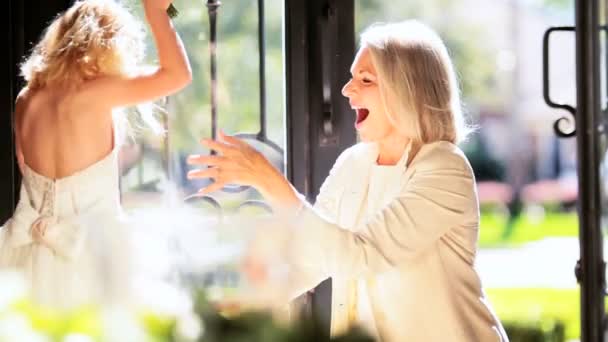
347	90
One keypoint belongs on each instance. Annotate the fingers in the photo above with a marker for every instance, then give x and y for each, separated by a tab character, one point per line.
234	165
226	144
197	159
233	140
212	172
218	146
220	178
215	173
215	186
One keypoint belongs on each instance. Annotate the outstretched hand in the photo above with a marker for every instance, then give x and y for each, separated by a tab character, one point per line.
239	163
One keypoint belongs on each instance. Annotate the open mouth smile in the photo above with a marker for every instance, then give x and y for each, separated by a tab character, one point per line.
362	114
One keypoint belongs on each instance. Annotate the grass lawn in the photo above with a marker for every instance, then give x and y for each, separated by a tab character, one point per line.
527	228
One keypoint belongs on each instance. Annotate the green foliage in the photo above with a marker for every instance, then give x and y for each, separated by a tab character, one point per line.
159	327
260	327
549	331
485	166
559	4
535	312
56	325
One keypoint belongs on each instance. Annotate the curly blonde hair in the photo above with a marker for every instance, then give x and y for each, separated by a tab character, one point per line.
90	39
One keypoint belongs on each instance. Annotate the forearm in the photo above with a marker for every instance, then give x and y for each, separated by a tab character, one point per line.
171	53
281	195
335	249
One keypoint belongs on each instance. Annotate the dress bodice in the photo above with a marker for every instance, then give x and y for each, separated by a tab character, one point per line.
62	230
96	185
65	208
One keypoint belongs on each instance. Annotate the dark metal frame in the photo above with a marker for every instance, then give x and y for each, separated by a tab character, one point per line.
312	148
546	88
592	266
589	127
319	49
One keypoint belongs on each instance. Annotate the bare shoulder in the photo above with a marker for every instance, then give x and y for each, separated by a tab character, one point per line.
23	97
21	103
441	155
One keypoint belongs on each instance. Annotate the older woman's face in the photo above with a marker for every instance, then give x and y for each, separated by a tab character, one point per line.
364	97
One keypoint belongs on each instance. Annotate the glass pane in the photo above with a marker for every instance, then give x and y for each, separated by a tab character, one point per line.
154	168
528	243
155	164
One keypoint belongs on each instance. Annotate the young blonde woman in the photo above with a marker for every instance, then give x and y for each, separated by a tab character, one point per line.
396	223
83	68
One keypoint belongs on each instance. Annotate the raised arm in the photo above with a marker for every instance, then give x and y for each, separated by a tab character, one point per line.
172	74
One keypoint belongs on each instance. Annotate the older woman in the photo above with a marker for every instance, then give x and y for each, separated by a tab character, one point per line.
396	222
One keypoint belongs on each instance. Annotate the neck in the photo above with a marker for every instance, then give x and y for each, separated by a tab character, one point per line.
391	149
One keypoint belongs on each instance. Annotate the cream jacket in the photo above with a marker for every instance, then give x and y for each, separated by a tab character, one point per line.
415	256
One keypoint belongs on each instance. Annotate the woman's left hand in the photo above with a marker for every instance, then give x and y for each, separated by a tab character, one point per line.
239	163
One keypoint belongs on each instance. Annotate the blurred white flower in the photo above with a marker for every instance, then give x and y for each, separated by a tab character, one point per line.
77	338
12	288
16	327
120	325
189	327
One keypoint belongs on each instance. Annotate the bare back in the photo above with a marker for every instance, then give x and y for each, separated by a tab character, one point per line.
60	132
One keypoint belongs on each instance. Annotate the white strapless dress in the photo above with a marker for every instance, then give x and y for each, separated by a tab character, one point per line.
83	260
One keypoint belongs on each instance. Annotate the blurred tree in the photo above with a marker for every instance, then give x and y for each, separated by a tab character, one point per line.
485	166
474	62
558	4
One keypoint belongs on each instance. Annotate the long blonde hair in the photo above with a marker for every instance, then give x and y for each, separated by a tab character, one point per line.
417	82
91	38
